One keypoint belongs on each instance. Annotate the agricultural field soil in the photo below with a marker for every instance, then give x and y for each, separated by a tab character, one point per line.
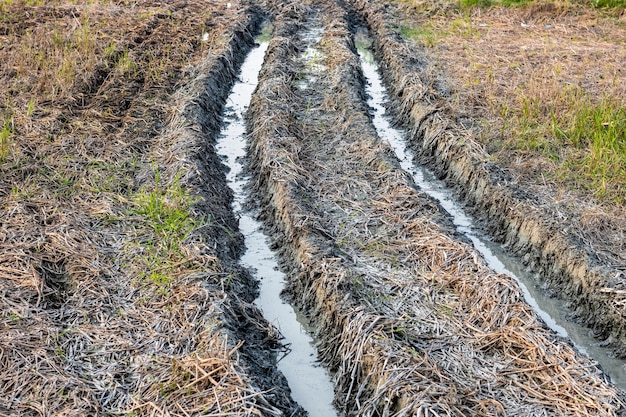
121	288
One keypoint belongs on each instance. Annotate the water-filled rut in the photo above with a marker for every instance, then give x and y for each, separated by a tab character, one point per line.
410	318
309	382
552	311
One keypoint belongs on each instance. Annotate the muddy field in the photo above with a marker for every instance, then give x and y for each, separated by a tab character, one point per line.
122	290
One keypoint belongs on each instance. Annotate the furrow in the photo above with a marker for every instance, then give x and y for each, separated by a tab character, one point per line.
409	316
512	216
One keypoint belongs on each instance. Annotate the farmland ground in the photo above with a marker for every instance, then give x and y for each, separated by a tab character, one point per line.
120	286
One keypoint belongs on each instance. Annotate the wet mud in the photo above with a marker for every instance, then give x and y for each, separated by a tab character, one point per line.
407	318
203	119
405	310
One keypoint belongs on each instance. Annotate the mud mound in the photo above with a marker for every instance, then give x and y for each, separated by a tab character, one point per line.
410	318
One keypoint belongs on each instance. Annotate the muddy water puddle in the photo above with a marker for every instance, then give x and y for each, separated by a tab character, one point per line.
552	311
310	383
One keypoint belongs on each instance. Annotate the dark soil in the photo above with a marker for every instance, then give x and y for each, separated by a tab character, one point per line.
531	227
120	287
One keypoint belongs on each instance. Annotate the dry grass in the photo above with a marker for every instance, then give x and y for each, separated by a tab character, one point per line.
111	302
411	318
592	226
550	85
544	86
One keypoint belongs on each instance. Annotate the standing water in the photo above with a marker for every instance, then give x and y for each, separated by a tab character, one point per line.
310	383
552	311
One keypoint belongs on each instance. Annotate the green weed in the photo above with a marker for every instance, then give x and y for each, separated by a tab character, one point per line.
165	213
110	51
465	4
598	132
31	107
609	4
5	139
125	64
422	34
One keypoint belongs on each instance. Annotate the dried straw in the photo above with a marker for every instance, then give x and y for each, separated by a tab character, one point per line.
534	230
410	318
81	333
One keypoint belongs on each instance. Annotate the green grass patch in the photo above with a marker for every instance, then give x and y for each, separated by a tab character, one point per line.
598	133
6	134
165	224
609	4
423	34
586	138
465	4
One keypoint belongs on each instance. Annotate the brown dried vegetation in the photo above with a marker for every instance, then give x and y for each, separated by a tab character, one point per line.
410	318
551	232
112	299
119	289
543	88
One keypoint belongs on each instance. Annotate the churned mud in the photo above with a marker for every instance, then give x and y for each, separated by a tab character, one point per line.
309	382
409	316
155	221
530	228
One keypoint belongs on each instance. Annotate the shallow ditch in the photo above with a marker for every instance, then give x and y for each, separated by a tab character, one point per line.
310	383
409	317
553	312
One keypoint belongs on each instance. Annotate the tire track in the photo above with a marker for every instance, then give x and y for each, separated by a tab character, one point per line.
410	317
512	217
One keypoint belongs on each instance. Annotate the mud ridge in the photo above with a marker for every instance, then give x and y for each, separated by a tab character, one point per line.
409	317
511	215
195	130
120	288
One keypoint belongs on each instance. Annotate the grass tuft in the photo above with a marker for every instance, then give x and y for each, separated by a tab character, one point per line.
586	138
5	139
421	34
598	132
609	4
464	4
165	218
